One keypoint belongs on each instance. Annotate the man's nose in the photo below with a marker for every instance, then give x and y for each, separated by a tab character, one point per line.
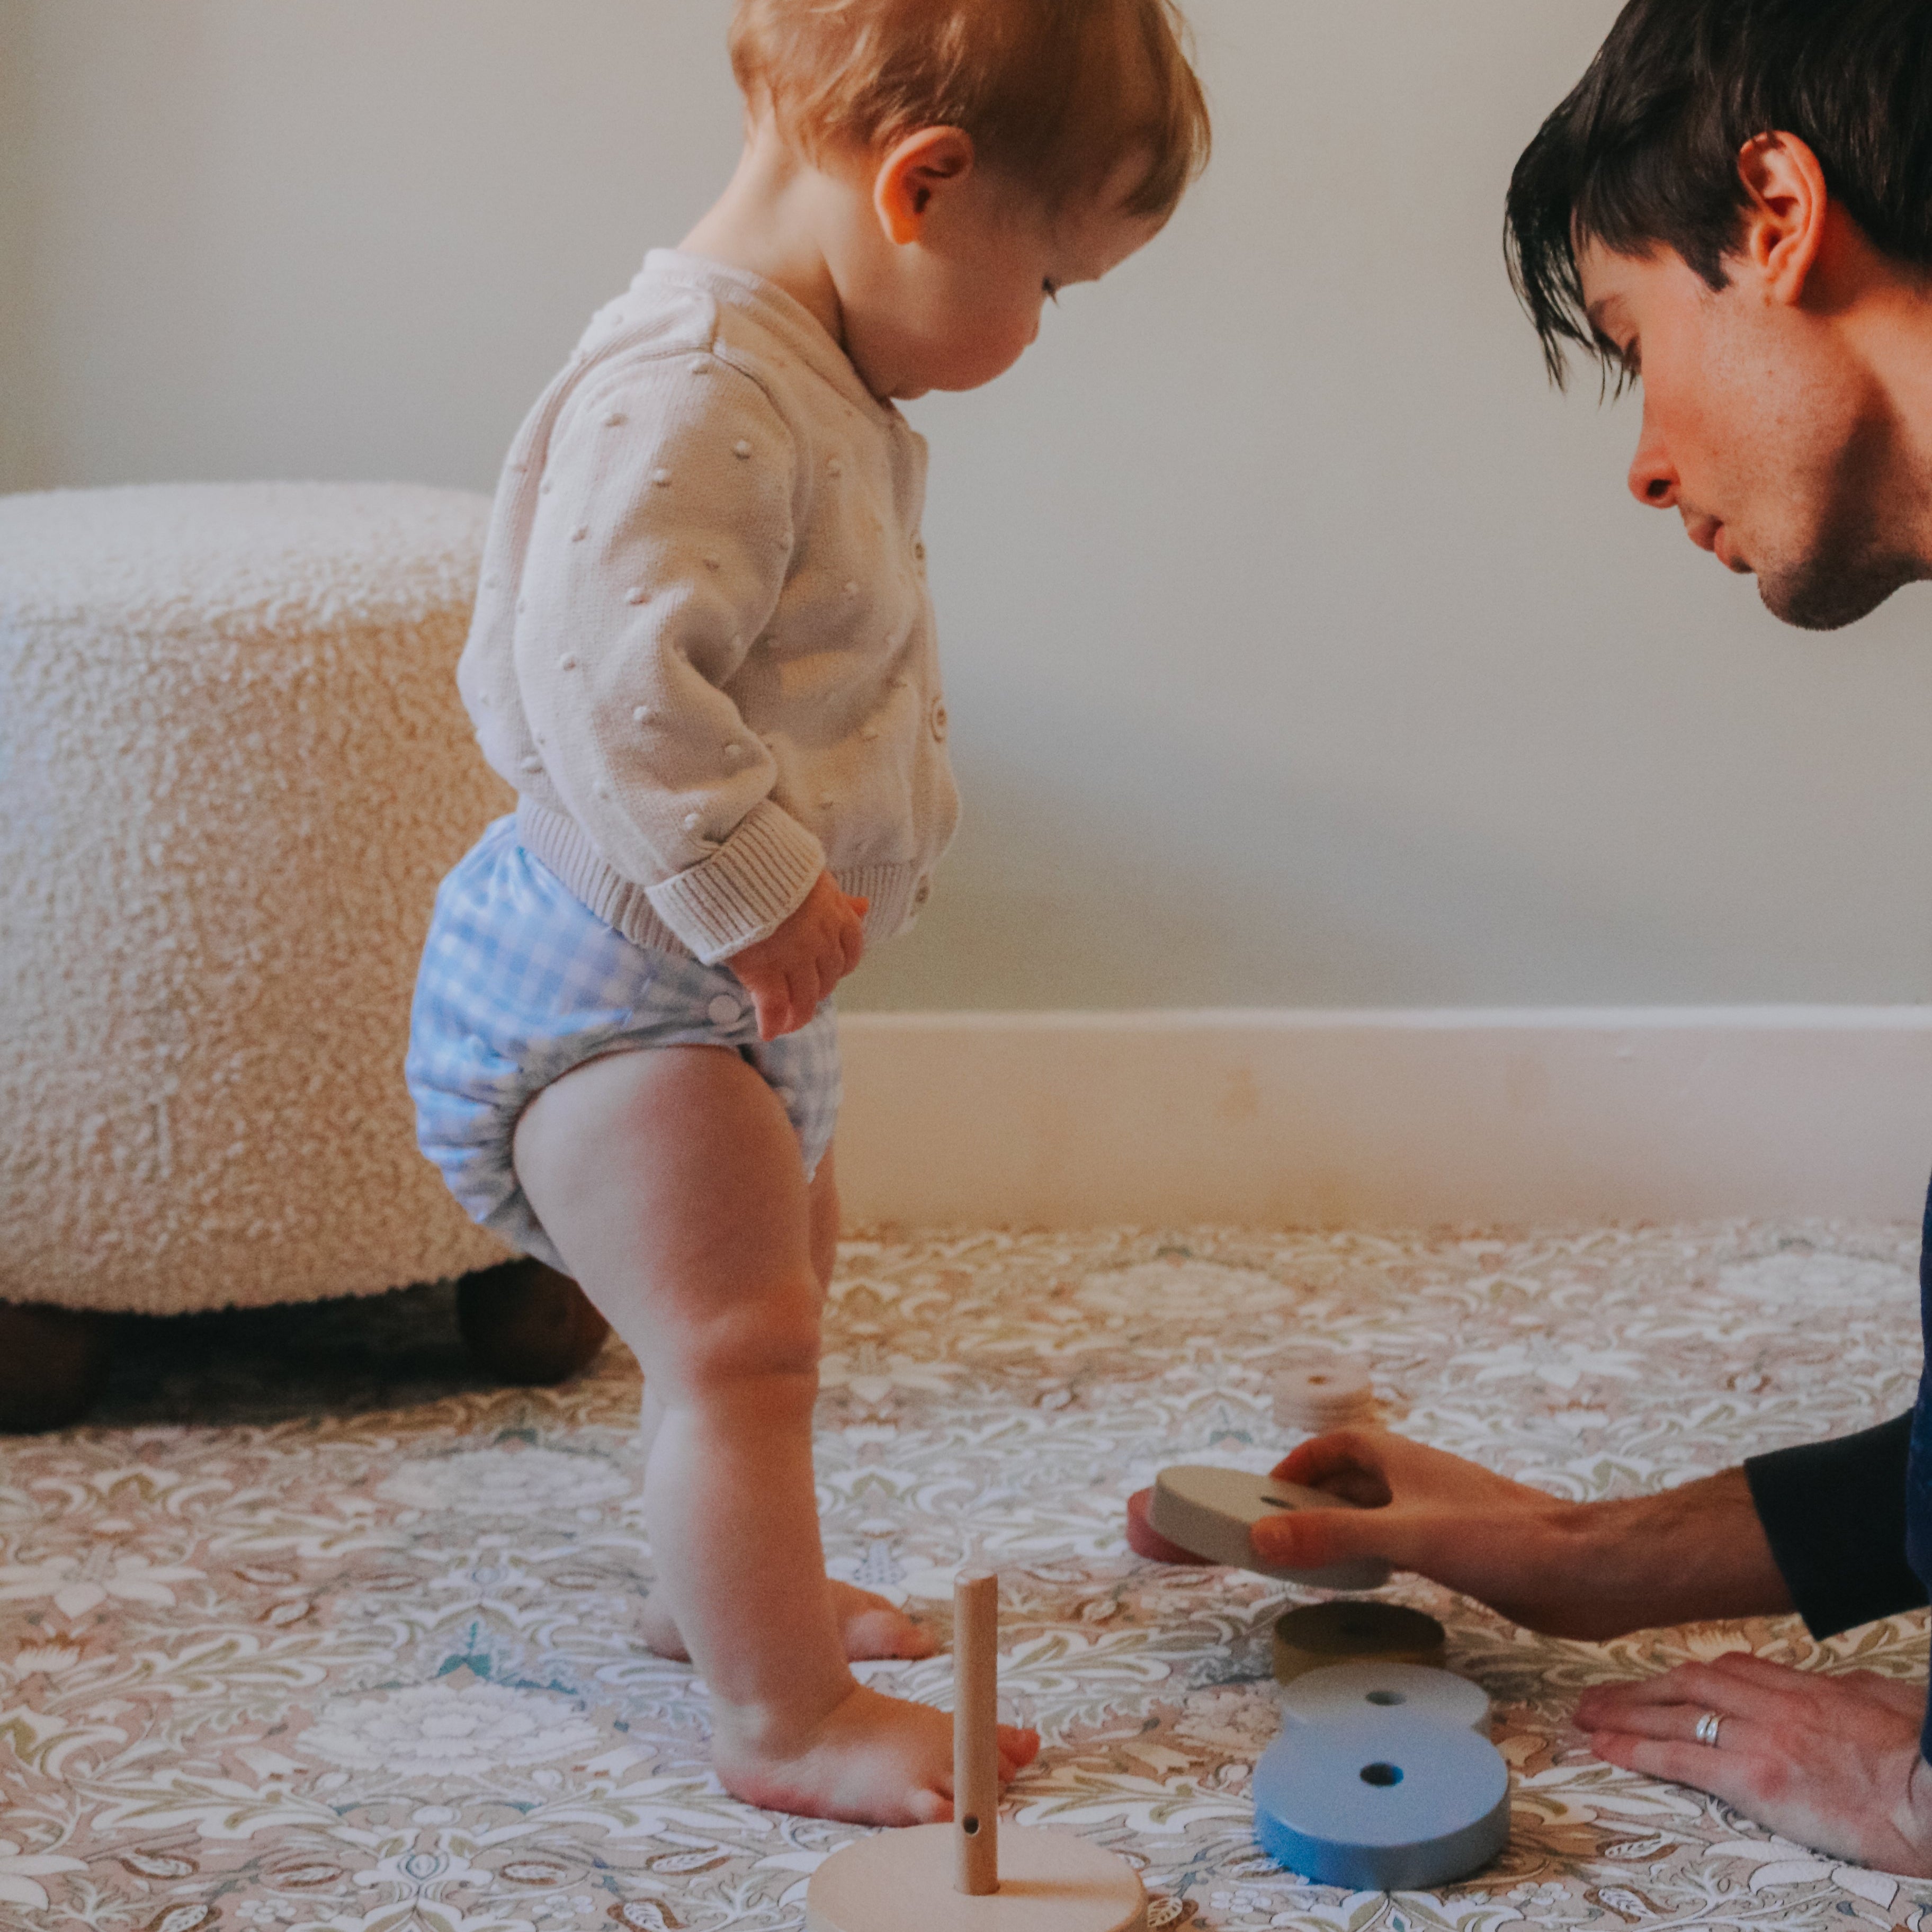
1653	476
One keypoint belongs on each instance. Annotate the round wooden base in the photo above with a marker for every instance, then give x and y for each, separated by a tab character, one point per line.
1049	1881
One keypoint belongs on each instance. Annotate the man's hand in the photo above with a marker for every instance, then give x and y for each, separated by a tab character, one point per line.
788	974
1578	1570
1832	1762
1429	1511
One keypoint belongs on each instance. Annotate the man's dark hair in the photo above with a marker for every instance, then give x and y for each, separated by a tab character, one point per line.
1645	151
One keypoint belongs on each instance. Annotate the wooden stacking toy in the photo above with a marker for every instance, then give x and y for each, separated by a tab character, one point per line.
1323	1392
1361	1693
1319	1636
1143	1539
1211	1511
969	1876
1392	1803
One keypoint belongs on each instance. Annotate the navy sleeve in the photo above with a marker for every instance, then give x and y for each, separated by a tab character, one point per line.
1834	1514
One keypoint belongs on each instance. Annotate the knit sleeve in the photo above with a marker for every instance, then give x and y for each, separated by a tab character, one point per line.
1834	1515
664	528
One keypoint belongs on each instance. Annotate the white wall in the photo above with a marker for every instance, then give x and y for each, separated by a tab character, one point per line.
18	468
1303	649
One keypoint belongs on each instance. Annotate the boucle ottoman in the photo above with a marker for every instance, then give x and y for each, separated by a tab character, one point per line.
234	768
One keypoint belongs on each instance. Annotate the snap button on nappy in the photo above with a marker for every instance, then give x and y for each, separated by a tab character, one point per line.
939	719
723	1010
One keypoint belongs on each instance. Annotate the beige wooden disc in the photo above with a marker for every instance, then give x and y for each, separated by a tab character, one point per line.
1050	1881
1324	1393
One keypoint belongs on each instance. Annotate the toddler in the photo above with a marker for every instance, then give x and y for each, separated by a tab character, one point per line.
703	653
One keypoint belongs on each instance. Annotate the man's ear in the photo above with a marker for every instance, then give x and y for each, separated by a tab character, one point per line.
1785	214
922	166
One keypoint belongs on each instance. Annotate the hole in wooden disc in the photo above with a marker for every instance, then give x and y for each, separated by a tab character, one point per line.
970	1826
1387	1697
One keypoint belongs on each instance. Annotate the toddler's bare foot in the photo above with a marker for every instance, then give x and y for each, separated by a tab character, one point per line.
873	1760
870	1627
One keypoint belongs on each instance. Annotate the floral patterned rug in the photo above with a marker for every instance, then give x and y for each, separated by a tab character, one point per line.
310	1629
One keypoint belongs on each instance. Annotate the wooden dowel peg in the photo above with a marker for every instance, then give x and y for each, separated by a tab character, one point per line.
976	1740
1054	1881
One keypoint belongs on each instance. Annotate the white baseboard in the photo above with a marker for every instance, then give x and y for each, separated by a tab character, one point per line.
1330	1119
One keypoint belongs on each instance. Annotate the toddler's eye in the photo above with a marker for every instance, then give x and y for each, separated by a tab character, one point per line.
1050	289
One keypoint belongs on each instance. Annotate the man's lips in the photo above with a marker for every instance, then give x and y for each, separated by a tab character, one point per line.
1708	533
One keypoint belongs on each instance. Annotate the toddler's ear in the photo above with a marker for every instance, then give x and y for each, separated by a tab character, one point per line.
914	174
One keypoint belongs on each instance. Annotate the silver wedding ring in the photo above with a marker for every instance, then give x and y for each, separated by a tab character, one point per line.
1709	1725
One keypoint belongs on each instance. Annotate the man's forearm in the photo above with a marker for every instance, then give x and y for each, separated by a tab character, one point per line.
1819	1529
1686	1554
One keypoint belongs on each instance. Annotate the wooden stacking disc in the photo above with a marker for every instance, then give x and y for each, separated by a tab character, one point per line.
1143	1539
1323	1392
1211	1510
971	1875
1401	1804
1050	1881
1361	1693
1318	1635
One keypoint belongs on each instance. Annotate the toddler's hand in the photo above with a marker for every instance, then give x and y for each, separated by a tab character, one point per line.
789	973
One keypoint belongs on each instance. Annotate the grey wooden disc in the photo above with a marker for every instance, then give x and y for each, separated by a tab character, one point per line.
1211	1511
1379	1689
1050	1881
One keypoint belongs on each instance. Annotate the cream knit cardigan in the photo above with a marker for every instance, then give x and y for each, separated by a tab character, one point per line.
703	650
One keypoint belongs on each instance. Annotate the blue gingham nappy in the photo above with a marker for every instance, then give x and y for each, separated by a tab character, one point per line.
520	982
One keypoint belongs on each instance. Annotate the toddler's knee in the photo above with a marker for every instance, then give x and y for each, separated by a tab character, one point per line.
770	1340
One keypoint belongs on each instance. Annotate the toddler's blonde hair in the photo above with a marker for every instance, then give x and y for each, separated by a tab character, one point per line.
1055	93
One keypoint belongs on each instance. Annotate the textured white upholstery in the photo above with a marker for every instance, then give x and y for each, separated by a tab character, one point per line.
233	767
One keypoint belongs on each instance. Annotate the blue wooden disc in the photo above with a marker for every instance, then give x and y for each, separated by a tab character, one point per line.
1395	1805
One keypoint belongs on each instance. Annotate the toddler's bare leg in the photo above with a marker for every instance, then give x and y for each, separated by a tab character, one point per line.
670	1181
869	1625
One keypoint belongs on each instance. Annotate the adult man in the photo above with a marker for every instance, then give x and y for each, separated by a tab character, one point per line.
1734	207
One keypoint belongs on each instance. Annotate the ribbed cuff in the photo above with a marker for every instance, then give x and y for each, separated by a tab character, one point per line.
746	890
